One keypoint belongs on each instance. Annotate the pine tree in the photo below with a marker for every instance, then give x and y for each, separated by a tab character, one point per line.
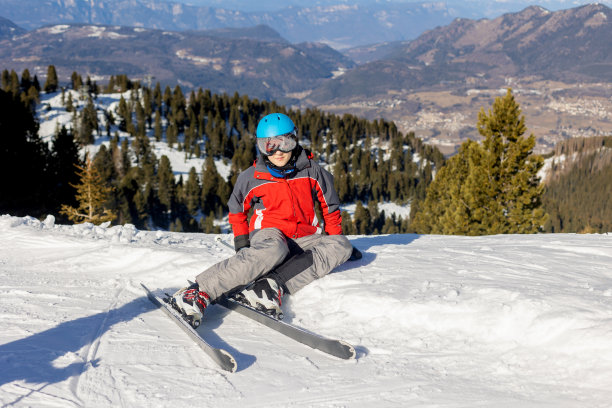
36	84
64	158
347	224
29	97
15	85
128	186
157	97
92	194
158	132
76	81
26	80
166	188
51	82
148	106
171	134
110	87
69	103
6	80
487	188
192	192
103	162
513	166
140	119
207	225
88	123
362	219
211	201
125	115
23	192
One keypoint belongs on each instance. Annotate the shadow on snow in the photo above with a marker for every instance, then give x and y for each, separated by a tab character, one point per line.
37	358
365	243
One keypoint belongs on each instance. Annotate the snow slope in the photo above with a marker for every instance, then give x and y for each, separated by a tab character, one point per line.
504	321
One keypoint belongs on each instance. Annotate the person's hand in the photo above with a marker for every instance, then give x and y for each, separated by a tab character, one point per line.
355	255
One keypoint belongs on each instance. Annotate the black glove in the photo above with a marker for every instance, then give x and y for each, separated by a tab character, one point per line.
355	255
241	241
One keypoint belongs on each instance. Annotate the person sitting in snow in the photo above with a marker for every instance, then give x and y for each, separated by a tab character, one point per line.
283	248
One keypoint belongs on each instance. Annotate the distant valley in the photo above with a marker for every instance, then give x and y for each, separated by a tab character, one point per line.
558	63
554	111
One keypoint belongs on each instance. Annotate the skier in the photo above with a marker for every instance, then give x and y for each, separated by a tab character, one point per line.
283	248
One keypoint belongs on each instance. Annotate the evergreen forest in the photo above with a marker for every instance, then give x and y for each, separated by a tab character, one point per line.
488	187
371	161
579	186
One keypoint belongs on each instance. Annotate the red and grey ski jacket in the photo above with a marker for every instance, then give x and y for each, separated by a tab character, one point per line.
287	204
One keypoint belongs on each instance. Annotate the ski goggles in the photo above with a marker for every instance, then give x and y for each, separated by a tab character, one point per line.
284	143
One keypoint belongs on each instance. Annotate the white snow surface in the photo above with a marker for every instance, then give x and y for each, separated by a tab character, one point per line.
439	321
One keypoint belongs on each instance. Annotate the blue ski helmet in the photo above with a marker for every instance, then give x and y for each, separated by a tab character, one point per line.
275	124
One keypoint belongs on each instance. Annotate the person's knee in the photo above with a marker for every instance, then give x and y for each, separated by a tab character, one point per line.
268	237
272	241
345	248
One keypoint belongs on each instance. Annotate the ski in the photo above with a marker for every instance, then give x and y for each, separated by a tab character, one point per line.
224	359
337	348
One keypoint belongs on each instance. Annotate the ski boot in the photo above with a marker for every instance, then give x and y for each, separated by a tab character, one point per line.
191	303
264	295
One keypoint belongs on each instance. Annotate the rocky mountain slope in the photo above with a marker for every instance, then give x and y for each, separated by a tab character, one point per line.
559	65
570	45
9	29
254	61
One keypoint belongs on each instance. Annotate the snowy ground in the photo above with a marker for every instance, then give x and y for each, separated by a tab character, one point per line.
501	321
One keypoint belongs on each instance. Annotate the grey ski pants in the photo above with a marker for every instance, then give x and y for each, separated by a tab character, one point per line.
269	248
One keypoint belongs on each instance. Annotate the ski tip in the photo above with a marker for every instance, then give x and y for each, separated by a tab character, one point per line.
231	364
350	350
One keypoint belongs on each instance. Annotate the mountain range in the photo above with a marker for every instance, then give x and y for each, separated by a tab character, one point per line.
338	23
559	65
254	61
342	25
434	85
570	45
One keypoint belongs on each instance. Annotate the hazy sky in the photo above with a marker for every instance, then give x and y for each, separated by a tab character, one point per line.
484	5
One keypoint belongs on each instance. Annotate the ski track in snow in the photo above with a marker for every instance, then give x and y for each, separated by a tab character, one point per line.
438	321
